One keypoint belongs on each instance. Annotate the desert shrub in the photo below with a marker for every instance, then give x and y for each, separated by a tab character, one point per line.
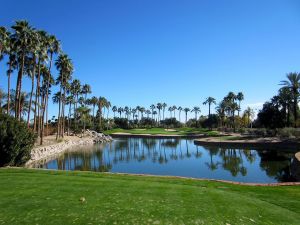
16	141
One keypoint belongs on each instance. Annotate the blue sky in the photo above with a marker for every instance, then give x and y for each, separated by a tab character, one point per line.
139	52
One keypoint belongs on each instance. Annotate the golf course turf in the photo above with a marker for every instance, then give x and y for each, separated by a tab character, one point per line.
58	197
185	131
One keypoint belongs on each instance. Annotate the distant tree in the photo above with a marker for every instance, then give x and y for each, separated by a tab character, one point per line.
209	101
293	83
186	110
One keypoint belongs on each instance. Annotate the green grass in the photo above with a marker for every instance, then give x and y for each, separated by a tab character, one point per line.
53	197
156	131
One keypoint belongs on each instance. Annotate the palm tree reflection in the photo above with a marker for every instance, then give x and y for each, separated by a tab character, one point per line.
277	164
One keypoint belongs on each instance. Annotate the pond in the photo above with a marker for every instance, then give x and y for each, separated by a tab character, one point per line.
180	157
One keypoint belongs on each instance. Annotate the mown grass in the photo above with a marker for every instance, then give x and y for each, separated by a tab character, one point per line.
157	131
53	197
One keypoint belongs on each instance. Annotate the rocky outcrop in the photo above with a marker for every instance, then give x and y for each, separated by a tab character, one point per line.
98	137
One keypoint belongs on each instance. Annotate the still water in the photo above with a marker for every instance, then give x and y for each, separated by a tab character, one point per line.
180	157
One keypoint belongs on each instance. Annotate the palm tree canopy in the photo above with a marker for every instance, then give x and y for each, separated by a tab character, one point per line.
209	100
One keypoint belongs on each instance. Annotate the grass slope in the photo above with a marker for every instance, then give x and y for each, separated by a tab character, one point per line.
53	197
177	131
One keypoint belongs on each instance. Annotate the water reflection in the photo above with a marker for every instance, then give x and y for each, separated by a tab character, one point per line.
181	157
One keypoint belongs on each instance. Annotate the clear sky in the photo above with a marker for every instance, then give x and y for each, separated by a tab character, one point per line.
139	52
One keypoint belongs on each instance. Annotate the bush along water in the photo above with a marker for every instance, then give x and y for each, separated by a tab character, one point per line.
16	141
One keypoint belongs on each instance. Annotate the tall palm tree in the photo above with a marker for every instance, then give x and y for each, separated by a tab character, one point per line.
53	48
21	39
196	110
170	109
179	112
101	103
164	106
114	109
83	113
86	89
249	113
94	101
148	112
142	110
65	67
293	83
159	106
240	98
120	111
186	110
152	107
75	91
174	109
6	49
209	101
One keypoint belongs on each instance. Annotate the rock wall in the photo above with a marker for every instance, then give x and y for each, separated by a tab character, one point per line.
43	152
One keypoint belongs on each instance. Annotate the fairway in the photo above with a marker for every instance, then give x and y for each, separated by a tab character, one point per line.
55	197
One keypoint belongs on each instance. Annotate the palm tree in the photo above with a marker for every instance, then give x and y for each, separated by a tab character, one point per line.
101	103
174	109
86	89
179	112
240	98
53	48
164	106
2	94
159	106
148	112
120	111
186	110
21	39
170	109
293	83
209	101
249	113
57	99
196	110
6	49
65	67
114	109
142	110
154	113
94	101
83	113
286	98
152	107
75	89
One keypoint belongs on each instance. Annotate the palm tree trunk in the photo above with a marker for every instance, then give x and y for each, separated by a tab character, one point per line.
19	89
31	94
47	92
38	97
58	117
69	116
8	87
295	107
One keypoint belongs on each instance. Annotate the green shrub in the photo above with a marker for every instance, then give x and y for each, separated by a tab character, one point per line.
16	141
289	133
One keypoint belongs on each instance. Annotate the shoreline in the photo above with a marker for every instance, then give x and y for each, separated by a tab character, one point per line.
256	142
39	153
170	177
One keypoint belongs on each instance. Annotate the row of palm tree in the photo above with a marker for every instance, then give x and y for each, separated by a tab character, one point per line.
29	52
155	110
